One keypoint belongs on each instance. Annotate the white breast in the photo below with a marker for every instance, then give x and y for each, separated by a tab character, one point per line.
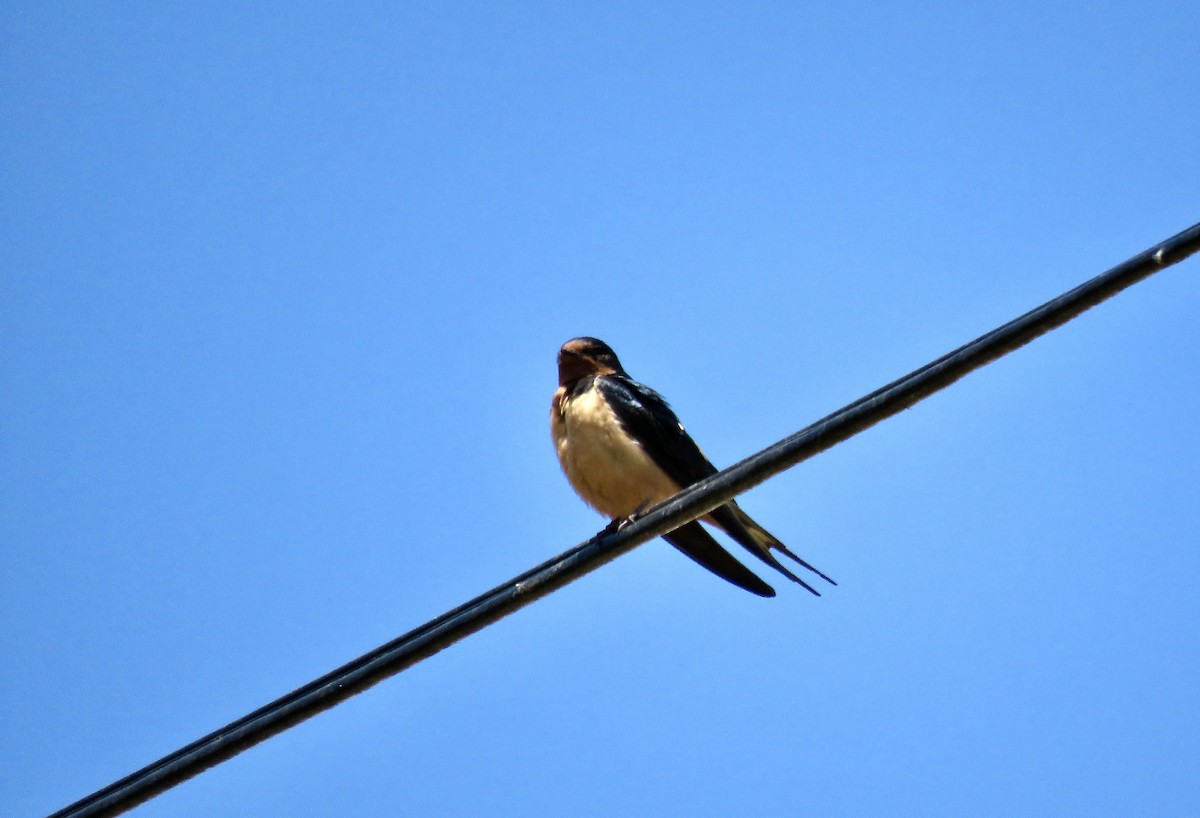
611	472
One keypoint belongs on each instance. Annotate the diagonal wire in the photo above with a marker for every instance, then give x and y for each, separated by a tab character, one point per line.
695	501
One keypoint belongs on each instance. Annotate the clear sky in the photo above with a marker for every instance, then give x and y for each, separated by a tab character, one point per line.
281	289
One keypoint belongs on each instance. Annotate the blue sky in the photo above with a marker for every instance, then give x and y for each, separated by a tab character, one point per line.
281	292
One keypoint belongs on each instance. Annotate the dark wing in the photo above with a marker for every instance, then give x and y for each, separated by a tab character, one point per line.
649	420
698	544
647	417
644	414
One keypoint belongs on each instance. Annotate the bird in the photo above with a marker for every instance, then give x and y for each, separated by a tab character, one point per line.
622	449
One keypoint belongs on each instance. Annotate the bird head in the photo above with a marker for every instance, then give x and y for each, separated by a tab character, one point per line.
581	357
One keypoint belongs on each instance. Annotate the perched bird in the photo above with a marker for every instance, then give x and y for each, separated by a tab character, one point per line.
623	449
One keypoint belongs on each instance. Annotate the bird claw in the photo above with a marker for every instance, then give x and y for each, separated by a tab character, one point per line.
621	522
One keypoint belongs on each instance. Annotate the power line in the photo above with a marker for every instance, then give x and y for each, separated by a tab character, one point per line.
696	501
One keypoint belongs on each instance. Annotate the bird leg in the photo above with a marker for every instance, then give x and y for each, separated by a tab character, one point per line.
619	523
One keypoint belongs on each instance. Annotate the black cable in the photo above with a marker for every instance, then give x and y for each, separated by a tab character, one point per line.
699	499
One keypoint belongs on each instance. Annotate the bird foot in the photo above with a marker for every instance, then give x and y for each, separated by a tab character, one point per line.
621	522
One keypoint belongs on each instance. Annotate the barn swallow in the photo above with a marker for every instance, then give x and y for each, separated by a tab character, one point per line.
622	449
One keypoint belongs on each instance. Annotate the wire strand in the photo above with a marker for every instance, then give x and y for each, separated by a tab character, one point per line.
695	501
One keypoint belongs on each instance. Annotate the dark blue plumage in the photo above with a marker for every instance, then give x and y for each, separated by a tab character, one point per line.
614	435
